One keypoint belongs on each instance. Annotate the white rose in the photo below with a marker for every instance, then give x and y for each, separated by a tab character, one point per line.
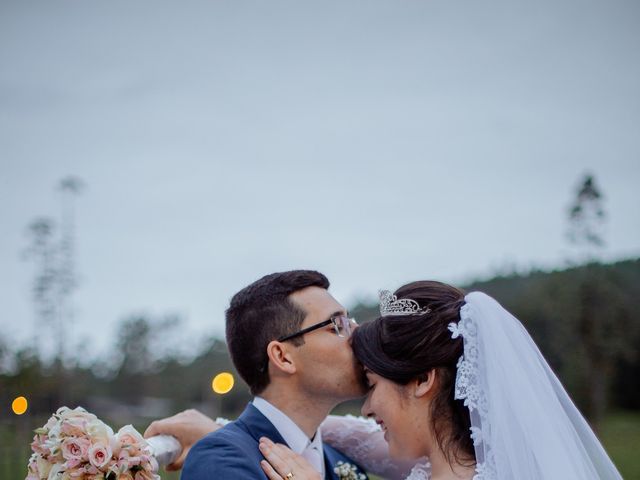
44	467
99	431
128	435
55	471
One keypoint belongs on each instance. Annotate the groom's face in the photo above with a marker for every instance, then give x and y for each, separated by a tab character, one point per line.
325	361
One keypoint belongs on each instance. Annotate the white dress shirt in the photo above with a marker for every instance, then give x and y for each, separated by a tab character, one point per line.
293	435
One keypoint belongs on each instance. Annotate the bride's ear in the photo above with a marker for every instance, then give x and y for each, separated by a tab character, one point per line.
426	383
280	357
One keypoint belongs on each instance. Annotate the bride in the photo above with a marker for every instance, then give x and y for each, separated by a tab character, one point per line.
457	379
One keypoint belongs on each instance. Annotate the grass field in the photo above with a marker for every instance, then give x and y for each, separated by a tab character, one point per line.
620	435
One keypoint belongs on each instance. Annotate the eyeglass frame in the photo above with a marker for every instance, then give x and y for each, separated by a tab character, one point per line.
316	326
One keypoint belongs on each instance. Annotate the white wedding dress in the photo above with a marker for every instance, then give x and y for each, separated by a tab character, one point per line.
524	426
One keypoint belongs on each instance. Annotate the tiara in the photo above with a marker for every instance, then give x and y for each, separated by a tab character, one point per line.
390	305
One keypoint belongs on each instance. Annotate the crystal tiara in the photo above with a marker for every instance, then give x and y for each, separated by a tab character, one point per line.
390	305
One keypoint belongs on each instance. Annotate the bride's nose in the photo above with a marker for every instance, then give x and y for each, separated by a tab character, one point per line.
366	408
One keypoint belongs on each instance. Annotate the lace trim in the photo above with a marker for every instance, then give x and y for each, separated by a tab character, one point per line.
422	471
468	389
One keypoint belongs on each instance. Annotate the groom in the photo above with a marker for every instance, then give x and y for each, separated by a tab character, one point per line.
288	339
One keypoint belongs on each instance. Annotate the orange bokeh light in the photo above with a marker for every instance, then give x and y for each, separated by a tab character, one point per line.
19	405
222	383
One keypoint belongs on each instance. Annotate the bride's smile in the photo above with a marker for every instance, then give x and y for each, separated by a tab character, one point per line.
392	406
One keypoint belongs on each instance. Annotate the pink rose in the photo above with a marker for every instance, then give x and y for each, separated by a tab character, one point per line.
75	448
38	445
100	455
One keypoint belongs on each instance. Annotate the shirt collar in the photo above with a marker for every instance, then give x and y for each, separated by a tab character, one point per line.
291	433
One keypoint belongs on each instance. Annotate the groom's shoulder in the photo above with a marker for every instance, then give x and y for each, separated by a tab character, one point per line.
230	452
231	436
231	432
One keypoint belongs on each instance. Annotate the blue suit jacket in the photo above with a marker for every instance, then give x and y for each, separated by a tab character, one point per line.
232	452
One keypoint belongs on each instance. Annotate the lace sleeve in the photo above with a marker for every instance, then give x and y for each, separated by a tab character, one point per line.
363	441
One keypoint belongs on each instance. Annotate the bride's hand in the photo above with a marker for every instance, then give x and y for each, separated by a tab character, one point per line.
282	463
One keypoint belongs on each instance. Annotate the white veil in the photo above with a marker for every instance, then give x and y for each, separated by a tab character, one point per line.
524	425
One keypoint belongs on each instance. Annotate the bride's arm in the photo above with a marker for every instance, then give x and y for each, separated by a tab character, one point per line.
363	441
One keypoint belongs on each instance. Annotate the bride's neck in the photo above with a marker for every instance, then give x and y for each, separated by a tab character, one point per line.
441	469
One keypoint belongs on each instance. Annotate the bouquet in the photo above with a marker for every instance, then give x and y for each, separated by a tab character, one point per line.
76	445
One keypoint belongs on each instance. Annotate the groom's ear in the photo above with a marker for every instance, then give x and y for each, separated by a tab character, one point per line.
426	383
280	357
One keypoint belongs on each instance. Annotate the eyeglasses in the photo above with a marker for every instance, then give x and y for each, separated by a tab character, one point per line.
342	324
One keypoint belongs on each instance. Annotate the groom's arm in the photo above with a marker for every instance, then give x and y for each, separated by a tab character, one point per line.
188	427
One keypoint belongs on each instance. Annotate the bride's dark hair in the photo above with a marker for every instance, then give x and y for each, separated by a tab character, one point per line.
404	348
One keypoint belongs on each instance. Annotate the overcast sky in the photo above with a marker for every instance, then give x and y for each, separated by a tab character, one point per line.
377	141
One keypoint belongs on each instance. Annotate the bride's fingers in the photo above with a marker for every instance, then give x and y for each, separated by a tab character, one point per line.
284	461
274	457
269	471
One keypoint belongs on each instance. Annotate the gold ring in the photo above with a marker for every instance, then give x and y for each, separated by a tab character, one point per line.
289	476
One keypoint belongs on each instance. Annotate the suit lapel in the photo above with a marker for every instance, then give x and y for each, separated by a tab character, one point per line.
258	425
329	463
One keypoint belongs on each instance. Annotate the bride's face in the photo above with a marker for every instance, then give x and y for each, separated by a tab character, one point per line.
401	415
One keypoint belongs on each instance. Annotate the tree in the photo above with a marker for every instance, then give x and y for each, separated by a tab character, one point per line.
600	321
42	251
587	217
52	248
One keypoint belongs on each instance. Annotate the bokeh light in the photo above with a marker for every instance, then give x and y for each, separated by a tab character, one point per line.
222	383
19	405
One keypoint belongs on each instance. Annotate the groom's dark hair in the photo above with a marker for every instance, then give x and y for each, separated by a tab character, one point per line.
262	312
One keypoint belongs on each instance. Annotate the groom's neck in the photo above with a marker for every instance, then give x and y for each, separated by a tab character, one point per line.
307	413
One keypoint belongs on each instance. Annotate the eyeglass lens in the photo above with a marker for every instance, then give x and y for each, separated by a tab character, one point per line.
343	325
